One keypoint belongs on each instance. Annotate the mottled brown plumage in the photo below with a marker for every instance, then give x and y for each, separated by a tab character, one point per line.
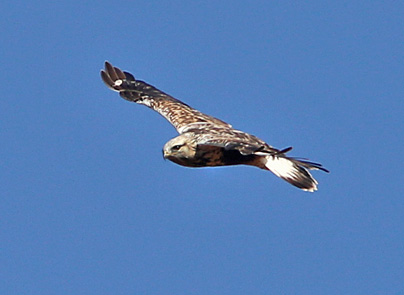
205	140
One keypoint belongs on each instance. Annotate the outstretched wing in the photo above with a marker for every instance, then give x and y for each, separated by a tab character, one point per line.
246	144
232	139
179	114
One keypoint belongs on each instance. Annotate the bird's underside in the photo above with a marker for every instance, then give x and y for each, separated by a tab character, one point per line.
207	141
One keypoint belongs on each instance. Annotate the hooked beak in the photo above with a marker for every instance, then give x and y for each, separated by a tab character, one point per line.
165	154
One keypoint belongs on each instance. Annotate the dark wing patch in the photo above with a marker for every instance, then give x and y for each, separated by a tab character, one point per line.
179	114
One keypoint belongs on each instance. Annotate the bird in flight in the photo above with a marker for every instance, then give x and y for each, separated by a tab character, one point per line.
205	141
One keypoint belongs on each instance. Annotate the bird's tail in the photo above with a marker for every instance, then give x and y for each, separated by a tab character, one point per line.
293	170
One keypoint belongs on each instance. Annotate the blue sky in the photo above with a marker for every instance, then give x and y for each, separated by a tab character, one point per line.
88	205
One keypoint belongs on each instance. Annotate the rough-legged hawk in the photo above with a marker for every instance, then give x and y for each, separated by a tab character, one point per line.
207	141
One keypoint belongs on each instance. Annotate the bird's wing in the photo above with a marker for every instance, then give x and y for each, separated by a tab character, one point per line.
231	139
246	144
179	114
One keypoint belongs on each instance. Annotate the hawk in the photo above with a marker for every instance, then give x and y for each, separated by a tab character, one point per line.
205	141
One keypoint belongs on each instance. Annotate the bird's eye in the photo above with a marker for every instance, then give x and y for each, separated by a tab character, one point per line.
176	147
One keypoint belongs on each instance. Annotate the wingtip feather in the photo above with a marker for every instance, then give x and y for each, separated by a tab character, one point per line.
107	79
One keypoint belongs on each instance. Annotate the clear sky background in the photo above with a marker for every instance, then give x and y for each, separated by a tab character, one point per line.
89	206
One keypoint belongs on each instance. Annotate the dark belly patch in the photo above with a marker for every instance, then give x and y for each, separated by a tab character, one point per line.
218	156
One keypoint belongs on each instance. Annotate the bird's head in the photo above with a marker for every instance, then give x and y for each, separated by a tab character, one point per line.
180	150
